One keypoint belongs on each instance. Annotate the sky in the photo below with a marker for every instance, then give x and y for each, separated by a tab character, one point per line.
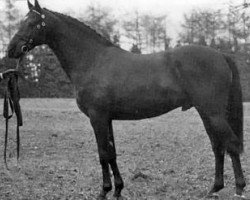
174	9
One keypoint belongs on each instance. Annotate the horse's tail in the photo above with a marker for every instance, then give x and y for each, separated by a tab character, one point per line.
235	105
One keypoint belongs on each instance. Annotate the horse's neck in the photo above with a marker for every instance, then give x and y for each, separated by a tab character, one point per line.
75	50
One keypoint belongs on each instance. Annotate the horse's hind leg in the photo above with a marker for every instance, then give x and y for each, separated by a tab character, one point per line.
223	139
219	153
239	177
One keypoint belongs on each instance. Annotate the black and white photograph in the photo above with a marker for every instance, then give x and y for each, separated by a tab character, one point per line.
124	99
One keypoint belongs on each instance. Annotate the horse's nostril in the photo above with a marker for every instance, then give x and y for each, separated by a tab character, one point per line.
24	49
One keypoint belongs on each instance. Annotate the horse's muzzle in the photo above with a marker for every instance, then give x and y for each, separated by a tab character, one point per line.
12	53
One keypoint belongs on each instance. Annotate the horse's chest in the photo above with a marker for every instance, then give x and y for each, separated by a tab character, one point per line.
91	98
82	105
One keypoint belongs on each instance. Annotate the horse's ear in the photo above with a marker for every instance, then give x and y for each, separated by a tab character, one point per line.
29	5
37	6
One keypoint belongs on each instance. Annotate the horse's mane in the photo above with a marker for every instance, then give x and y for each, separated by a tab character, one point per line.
82	26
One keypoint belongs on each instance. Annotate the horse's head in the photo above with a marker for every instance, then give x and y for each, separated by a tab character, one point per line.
32	32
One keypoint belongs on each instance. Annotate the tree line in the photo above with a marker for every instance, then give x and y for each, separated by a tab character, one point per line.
225	30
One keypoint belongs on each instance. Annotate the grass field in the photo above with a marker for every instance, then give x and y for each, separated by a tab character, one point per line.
59	157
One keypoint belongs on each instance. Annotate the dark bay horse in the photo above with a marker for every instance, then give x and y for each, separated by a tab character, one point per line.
113	84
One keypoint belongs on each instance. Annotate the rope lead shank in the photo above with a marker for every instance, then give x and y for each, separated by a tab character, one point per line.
11	100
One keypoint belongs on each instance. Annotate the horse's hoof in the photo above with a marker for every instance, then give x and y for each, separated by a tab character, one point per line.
239	197
101	197
119	198
212	196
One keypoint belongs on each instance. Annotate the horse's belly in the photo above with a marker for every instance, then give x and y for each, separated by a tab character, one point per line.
144	108
130	103
140	114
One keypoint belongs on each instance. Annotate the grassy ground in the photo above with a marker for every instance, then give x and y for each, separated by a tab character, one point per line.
59	156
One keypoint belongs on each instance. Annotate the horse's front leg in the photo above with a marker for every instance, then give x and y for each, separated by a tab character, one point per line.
118	179
107	154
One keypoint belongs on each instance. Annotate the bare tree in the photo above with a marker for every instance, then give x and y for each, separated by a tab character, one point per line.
9	21
147	32
201	26
155	31
133	29
238	23
100	19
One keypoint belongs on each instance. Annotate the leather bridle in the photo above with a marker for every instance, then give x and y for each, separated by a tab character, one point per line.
29	41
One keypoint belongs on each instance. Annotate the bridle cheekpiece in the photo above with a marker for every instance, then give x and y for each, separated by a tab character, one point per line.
42	16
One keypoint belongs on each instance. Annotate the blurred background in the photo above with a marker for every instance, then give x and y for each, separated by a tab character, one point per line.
139	26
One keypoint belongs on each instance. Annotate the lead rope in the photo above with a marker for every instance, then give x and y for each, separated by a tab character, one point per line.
7	117
11	99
